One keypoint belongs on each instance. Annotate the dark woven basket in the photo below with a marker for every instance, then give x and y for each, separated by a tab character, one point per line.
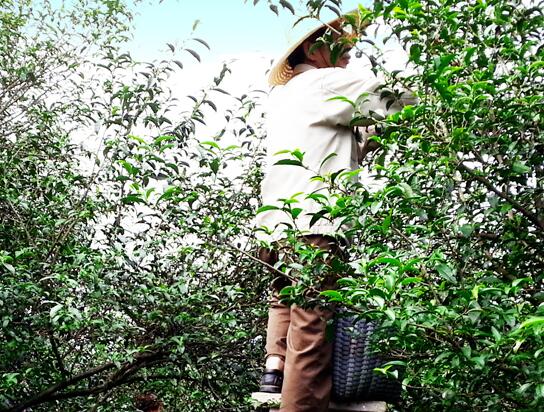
354	361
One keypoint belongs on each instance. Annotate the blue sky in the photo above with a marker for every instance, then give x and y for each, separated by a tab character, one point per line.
229	26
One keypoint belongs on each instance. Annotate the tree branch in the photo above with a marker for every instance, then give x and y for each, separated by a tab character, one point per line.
48	394
118	378
533	218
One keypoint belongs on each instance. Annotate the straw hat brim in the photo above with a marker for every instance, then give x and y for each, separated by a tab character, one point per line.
282	72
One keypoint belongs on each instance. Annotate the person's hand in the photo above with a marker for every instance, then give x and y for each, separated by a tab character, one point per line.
367	145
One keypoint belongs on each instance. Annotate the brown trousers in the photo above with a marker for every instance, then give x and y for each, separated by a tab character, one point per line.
297	335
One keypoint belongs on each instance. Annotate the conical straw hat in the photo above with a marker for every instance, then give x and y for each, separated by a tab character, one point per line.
281	71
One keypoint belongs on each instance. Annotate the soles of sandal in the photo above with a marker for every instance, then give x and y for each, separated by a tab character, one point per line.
270	389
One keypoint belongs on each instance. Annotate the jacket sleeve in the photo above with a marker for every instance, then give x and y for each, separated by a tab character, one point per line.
365	91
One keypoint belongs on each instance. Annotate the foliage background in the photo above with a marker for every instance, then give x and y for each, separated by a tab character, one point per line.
129	268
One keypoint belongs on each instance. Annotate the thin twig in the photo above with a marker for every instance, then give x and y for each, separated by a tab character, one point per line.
533	218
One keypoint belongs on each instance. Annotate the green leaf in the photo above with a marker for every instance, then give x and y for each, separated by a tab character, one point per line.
132	170
533	322
266	208
332	295
520	168
202	42
164	138
496	334
54	310
343	99
347	282
390	314
217	89
169	193
385	260
468	56
330	156
377	300
210	143
406	189
317	216
410	280
376	206
523	388
362	121
466	230
214	165
517	282
298	154
318	197
415	53
539	391
211	104
289	162
149	192
288	6
295	212
194	54
446	272
132	198
9	267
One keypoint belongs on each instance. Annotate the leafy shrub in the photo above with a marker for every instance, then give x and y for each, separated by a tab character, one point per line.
127	267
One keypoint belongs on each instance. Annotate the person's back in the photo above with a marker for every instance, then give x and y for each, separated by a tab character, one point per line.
305	115
297	119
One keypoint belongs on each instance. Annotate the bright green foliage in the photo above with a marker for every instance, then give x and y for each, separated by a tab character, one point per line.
119	268
449	253
464	207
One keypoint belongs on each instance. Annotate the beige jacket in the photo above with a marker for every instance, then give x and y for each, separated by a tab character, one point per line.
300	116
